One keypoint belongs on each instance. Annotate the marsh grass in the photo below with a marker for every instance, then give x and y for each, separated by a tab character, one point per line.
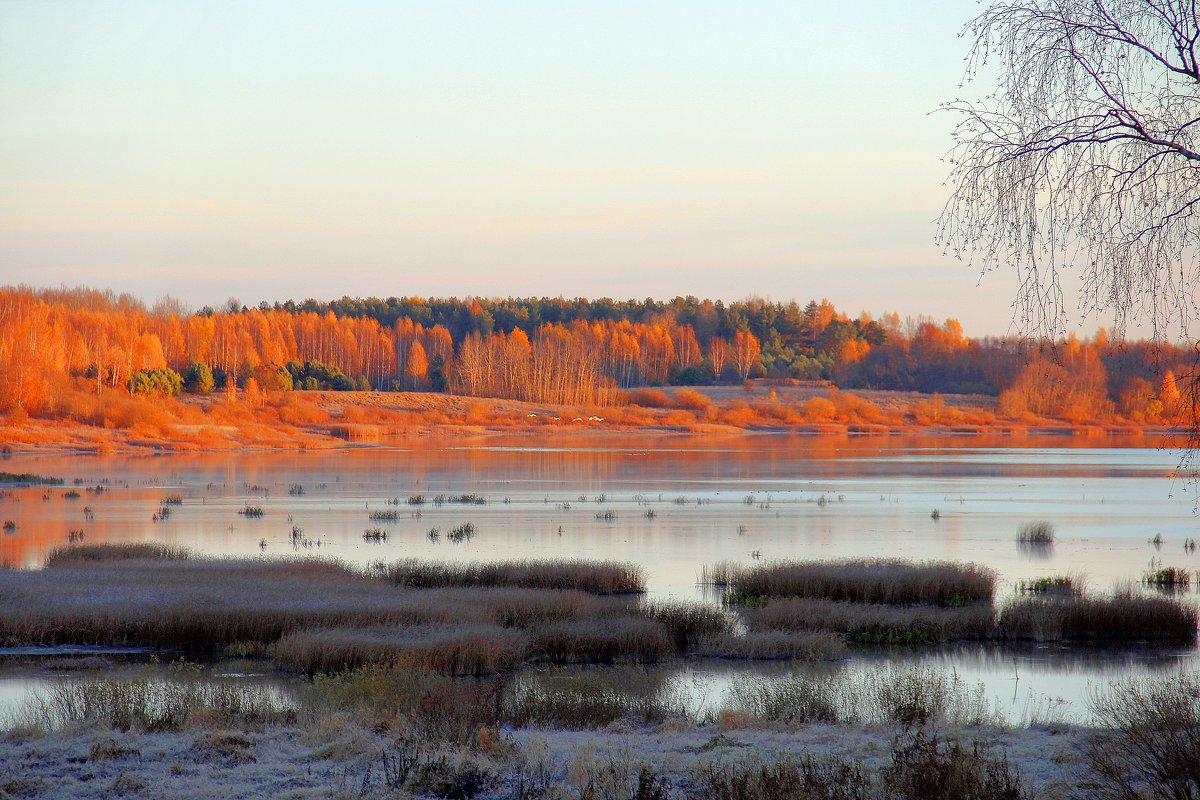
425	703
1116	618
447	648
883	695
782	778
596	577
590	699
206	604
776	645
872	623
1067	585
887	581
722	574
603	641
689	623
137	551
1039	532
154	705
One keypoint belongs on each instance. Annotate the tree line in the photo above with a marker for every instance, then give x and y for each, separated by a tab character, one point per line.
576	352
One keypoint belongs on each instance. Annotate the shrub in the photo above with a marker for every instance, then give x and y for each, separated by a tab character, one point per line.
159	382
1147	739
199	378
926	768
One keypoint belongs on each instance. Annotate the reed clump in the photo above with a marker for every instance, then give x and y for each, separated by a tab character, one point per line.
884	695
887	581
129	551
589	700
776	645
873	623
1038	532
1053	585
1116	618
154	705
610	640
689	623
1168	579
452	649
595	577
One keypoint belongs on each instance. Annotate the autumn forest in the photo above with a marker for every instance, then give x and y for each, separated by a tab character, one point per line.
95	358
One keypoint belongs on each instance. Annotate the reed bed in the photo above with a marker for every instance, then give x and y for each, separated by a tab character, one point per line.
452	649
884	695
873	623
432	706
530	608
689	623
199	604
776	645
603	641
139	551
595	577
1053	585
589	700
1118	618
888	581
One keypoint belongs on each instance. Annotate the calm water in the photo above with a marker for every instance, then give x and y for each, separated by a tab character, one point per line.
671	504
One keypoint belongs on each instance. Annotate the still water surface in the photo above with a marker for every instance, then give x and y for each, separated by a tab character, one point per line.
671	504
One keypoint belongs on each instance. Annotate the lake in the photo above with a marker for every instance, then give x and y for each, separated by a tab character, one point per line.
670	503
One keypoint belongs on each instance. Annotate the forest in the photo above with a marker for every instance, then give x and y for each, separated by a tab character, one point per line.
58	344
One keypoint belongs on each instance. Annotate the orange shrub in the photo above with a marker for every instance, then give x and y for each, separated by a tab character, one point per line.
691	400
647	398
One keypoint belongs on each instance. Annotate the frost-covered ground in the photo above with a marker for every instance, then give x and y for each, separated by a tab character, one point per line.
335	757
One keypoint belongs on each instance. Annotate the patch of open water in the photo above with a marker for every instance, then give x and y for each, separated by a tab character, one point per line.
669	503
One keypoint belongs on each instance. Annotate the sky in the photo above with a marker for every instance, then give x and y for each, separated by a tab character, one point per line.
281	149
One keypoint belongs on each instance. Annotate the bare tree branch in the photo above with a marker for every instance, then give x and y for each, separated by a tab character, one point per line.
1083	157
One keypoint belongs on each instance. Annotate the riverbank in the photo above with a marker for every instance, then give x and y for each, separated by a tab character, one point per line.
336	756
115	423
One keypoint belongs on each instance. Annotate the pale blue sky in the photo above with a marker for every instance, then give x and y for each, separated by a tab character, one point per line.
269	150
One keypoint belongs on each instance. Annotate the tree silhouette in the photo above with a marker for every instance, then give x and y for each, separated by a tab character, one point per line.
1083	157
